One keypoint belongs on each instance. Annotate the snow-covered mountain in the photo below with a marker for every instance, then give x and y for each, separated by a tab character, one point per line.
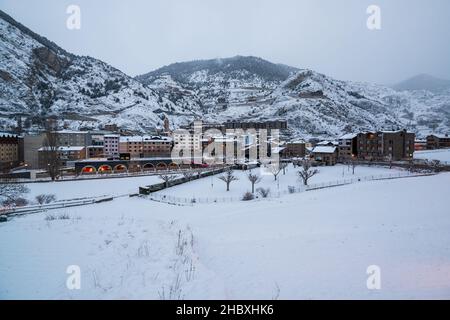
38	80
315	105
423	82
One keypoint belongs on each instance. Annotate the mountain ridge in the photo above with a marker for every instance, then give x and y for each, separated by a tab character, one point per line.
423	82
38	79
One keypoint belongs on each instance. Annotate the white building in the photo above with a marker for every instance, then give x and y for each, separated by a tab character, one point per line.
111	145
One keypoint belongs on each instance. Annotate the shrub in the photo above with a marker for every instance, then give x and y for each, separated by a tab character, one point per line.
248	196
291	189
45	198
263	192
17	202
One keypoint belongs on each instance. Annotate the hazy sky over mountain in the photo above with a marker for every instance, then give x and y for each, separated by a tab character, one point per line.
328	36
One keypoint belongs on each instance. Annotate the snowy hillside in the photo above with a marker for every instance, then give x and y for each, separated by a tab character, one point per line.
314	104
423	82
38	80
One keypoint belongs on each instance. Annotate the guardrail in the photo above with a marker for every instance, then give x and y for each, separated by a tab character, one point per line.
54	205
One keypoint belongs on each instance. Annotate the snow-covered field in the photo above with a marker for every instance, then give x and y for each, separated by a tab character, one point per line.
310	245
91	188
212	187
441	155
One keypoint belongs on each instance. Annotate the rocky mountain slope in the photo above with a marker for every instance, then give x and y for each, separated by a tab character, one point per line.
315	105
39	80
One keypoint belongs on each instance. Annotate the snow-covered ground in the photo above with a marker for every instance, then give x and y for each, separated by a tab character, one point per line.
212	187
441	155
65	190
309	245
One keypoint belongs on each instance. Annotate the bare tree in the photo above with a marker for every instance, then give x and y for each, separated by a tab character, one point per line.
188	175
10	192
352	164
254	179
50	153
167	178
283	166
307	172
228	177
275	170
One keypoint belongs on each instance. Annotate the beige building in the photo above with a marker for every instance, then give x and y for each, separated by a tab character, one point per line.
146	146
32	143
326	155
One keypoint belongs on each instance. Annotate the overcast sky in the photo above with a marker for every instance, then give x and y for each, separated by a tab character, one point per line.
328	36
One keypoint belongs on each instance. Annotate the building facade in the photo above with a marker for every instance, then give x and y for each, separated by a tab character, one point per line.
438	141
32	143
9	151
146	146
326	155
385	145
74	138
347	148
295	149
65	155
111	145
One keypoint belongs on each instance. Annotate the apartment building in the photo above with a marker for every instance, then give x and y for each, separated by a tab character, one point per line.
111	145
269	125
146	146
347	147
31	144
438	141
9	150
295	149
74	138
385	145
326	155
65	155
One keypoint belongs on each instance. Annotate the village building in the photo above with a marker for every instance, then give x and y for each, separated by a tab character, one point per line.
438	141
347	147
385	145
145	146
295	149
111	145
66	154
326	155
420	144
10	151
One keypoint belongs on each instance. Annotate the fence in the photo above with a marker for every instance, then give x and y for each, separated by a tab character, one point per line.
274	195
164	185
54	205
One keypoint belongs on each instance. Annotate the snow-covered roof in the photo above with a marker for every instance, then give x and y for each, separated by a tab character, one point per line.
112	136
348	136
145	139
440	136
325	143
301	141
63	149
277	149
72	132
324	149
8	135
